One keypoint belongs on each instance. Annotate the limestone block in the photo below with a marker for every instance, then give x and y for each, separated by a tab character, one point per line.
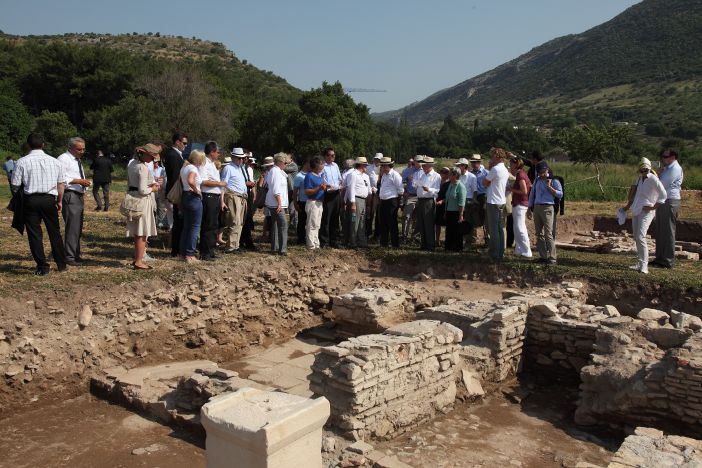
257	429
653	314
546	308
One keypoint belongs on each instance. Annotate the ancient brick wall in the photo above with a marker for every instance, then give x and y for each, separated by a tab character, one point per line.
381	385
369	310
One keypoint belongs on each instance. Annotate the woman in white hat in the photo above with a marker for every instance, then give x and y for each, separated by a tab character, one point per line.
650	194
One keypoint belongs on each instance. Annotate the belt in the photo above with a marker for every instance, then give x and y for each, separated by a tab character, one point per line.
132	189
36	194
544	204
362	198
237	194
204	194
75	191
391	198
425	198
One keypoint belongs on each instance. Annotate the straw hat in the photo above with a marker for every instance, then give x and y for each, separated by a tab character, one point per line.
378	156
428	160
462	162
268	161
644	163
238	153
360	160
476	158
386	161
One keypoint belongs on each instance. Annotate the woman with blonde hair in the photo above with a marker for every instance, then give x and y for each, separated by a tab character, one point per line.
141	184
191	204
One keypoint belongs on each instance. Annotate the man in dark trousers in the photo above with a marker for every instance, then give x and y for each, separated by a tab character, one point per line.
102	178
173	162
329	231
42	179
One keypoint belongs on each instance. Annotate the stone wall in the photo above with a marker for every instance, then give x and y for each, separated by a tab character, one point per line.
560	335
369	310
381	385
644	371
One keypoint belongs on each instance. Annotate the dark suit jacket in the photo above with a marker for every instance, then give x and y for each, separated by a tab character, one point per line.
172	163
102	170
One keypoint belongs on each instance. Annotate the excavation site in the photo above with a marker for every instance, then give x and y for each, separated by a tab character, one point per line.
406	360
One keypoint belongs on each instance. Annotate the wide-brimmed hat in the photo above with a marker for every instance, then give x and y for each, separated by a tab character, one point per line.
268	161
386	161
428	160
238	153
476	158
360	160
252	160
419	158
462	161
227	159
644	163
378	156
149	148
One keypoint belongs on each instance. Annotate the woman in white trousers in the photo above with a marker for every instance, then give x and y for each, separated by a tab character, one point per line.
520	206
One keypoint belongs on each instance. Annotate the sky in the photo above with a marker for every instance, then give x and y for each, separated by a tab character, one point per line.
409	48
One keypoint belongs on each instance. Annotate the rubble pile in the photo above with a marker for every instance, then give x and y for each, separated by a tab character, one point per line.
623	242
652	448
381	385
645	371
173	393
369	310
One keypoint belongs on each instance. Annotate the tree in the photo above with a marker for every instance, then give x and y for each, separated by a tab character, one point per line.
594	145
15	120
57	129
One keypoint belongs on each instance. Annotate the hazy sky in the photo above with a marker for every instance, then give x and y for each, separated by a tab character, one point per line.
409	48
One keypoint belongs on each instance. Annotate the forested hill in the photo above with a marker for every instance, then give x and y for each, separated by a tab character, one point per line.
122	90
644	51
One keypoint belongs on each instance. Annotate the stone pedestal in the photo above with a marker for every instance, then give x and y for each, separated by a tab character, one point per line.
253	428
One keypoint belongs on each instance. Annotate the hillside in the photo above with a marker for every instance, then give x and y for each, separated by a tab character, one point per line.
618	70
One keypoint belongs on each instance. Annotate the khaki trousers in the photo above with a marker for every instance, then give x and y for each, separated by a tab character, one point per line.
543	224
234	219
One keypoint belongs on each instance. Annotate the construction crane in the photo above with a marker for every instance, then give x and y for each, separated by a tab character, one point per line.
364	90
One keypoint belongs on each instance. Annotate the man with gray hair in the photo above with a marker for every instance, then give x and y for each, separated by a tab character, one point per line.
277	202
73	198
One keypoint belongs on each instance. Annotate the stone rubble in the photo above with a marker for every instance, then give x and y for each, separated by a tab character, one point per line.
369	310
623	242
381	385
651	448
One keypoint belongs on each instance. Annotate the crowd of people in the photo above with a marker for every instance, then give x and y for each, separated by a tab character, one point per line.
208	202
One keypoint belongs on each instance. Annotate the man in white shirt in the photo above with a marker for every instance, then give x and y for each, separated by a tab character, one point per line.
357	192
329	231
496	184
372	202
671	176
390	194
427	182
73	202
277	202
212	201
234	176
468	179
42	179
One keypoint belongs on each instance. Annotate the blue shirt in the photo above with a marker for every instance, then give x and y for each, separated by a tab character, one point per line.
9	167
331	175
406	173
671	176
312	181
298	182
480	175
234	177
541	195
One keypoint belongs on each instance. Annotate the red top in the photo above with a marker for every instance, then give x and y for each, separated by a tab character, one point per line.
522	200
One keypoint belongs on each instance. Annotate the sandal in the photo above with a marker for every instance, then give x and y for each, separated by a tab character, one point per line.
144	267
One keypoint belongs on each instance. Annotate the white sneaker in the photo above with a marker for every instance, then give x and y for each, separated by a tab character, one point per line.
644	271
148	258
636	267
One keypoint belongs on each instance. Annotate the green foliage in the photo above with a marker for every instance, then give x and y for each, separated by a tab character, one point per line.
15	120
594	144
57	129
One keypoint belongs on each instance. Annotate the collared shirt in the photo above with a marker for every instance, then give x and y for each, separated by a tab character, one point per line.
313	181
185	173
277	182
407	173
345	177
432	181
234	177
331	176
39	173
250	171
541	195
649	191
391	185
359	186
470	183
496	192
373	175
209	172
480	175
671	176
298	183
73	169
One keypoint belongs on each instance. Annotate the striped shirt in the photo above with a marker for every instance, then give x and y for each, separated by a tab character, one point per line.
39	173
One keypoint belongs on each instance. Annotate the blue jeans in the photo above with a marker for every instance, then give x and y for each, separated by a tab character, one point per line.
191	206
496	228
